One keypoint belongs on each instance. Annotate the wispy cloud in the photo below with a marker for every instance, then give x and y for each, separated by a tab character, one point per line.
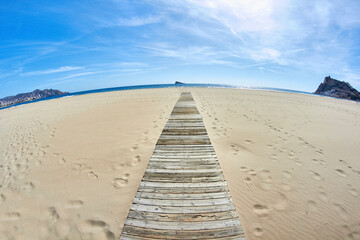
270	30
50	71
137	21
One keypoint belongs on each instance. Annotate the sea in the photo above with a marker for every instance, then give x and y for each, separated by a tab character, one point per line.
150	86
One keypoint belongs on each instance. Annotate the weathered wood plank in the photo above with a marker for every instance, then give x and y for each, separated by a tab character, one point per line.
183	217
183	202
182	233
190	209
191	179
181	185
184	190
194	171
205	225
182	196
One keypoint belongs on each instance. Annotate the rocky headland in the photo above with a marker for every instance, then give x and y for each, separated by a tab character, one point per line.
30	96
338	89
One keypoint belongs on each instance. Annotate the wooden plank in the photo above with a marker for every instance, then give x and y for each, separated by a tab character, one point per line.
182	233
182	196
182	166
215	224
181	185
184	175
183	217
184	190
190	209
177	179
193	171
182	202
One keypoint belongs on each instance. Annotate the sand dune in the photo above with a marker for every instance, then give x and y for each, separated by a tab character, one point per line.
70	167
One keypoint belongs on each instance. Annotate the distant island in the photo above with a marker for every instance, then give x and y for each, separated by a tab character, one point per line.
179	82
338	89
30	96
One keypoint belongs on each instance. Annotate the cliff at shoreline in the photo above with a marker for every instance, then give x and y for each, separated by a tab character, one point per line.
30	96
338	89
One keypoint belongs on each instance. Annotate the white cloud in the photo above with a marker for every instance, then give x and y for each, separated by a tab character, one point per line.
191	53
50	71
138	21
265	54
245	15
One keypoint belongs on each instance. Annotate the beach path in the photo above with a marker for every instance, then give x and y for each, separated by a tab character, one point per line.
183	193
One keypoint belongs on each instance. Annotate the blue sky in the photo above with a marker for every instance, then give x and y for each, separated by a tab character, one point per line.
81	45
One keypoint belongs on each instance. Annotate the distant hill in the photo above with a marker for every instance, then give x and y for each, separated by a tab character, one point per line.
179	82
26	97
335	88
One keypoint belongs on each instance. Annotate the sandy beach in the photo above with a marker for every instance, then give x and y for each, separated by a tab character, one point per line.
70	167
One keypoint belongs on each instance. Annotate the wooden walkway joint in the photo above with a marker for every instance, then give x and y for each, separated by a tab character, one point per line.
183	193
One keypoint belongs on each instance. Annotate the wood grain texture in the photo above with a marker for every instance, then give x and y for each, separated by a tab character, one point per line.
183	193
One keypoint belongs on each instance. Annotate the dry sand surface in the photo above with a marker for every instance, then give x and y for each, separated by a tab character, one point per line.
70	167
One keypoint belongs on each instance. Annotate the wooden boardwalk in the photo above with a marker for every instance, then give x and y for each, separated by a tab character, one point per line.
183	193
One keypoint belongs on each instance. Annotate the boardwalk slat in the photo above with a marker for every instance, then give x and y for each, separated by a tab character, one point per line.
182	234
170	209
183	217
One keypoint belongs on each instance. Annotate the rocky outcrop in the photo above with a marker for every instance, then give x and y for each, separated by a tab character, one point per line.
335	88
177	82
25	97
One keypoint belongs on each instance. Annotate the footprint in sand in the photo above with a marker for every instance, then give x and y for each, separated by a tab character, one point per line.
133	149
353	191
291	154
298	162
265	176
342	161
135	161
52	214
247	180
249	141
97	228
341	211
258	231
144	139
274	157
341	173
121	181
2	198
28	187
315	175
312	206
116	167
244	169
10	216
86	169
261	210
74	204
281	203
62	161
92	175
76	166
252	172
91	226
